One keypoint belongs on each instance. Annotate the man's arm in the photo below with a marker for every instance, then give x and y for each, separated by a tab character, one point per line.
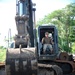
42	40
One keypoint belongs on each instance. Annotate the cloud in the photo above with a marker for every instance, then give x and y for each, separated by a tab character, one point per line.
7	16
44	7
7	19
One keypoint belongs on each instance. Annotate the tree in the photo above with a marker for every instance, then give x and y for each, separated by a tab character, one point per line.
64	20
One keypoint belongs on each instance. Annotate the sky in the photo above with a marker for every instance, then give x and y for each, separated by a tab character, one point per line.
8	11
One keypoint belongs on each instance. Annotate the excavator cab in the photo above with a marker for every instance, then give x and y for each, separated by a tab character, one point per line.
53	35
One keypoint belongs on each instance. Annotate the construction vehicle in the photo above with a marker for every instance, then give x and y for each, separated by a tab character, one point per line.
21	59
26	56
57	63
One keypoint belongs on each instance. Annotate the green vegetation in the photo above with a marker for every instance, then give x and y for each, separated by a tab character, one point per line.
73	48
2	54
64	20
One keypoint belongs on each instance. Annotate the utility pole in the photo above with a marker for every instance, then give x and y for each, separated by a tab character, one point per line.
9	36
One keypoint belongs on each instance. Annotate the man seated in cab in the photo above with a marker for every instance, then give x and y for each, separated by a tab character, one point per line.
47	42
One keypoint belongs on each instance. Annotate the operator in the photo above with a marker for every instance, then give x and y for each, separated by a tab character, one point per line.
47	42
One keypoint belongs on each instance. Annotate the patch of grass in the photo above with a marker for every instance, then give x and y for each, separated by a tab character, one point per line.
2	55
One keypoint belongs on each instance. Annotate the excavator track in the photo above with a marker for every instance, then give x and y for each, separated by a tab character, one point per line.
46	69
68	67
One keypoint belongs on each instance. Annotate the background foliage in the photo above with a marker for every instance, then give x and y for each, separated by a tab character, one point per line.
64	20
2	54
